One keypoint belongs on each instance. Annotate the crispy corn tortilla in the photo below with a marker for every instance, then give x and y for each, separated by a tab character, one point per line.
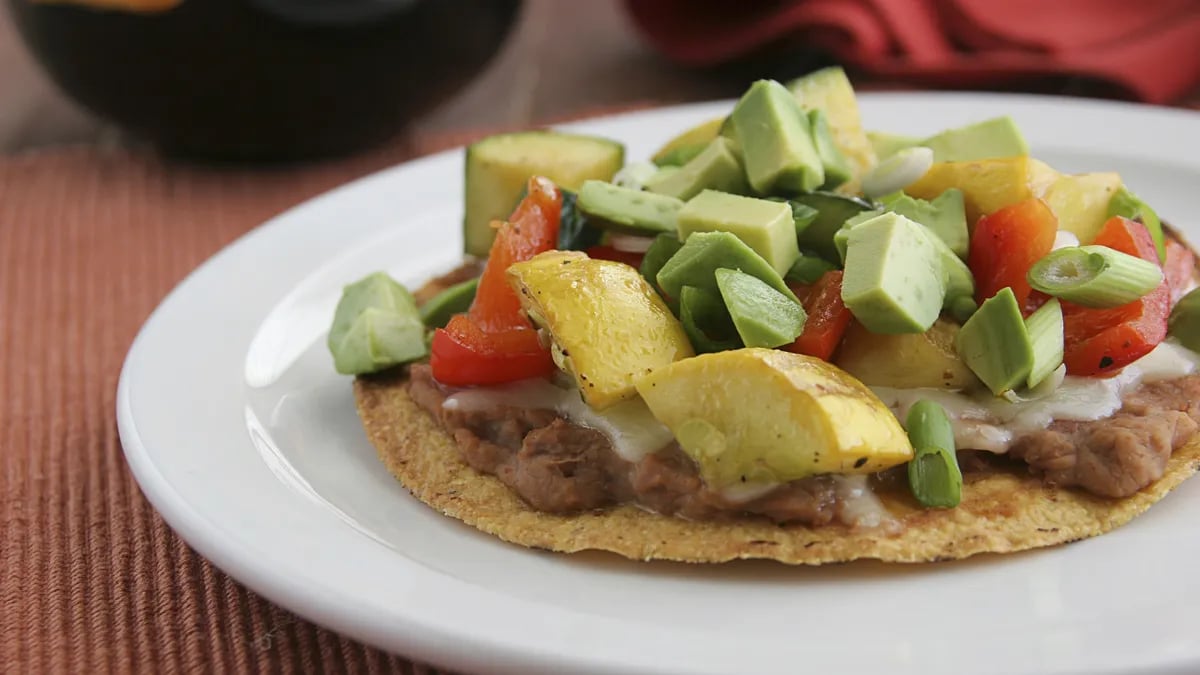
1000	511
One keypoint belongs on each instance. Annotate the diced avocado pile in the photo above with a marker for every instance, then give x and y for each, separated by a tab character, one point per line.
743	206
741	212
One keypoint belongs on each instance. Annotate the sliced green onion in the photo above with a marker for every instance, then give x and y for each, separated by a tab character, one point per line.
1045	328
933	473
898	171
1094	276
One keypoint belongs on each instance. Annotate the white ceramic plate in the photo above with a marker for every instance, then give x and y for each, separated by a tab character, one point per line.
241	434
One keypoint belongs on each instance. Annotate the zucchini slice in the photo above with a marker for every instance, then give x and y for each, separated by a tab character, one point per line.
498	167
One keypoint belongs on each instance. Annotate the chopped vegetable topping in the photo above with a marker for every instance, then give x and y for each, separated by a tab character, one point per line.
1102	341
933	473
494	342
1094	276
1006	244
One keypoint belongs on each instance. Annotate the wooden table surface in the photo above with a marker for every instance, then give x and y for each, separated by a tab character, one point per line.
543	73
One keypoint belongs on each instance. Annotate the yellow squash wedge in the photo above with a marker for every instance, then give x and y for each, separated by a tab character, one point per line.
911	360
607	325
988	185
701	134
754	416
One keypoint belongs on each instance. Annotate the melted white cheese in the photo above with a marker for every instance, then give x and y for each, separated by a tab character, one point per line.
634	432
985	422
857	504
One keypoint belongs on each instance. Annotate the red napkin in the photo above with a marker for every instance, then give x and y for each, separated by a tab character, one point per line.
1147	49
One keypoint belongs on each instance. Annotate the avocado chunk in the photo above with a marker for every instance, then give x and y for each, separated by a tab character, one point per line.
766	226
886	145
842	237
763	316
776	141
660	251
837	167
833	210
960	283
376	325
628	210
1184	324
995	345
436	311
830	91
989	139
945	216
706	321
716	167
704	253
1045	328
894	281
498	167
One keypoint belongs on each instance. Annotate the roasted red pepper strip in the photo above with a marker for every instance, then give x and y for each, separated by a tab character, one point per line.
1005	244
1099	342
463	355
494	342
1179	269
532	229
827	320
617	255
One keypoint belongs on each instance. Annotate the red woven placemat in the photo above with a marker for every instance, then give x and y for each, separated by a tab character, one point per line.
91	578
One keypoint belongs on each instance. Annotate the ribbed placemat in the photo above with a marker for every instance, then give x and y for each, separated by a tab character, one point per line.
91	578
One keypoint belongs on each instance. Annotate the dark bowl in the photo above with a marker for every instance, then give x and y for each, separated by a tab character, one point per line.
265	79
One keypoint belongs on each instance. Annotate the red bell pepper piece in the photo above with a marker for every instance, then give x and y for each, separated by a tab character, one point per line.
1005	244
609	253
465	355
494	342
1100	342
1179	269
532	229
827	320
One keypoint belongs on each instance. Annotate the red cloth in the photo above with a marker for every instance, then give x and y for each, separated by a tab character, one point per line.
1148	49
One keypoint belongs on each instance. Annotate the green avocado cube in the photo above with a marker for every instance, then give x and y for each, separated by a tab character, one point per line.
696	263
837	167
716	167
776	140
995	344
894	282
376	325
989	139
945	216
766	226
763	316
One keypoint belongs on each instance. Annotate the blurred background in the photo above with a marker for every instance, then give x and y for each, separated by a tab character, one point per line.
560	59
145	64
